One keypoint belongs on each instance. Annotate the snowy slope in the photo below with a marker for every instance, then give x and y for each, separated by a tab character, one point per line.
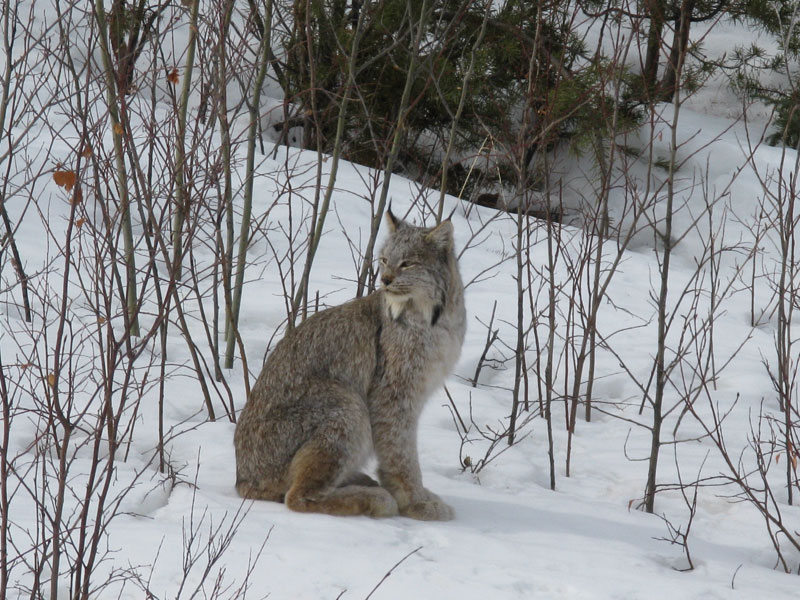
512	537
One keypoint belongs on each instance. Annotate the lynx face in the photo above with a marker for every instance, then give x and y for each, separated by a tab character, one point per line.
414	267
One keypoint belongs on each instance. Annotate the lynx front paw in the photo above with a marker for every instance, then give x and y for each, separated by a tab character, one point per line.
431	508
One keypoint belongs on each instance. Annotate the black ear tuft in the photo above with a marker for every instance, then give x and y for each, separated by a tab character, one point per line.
392	222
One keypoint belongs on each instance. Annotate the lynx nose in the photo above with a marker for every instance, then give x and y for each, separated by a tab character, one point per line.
387	279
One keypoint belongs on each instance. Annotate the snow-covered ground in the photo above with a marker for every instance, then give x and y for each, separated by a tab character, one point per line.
512	536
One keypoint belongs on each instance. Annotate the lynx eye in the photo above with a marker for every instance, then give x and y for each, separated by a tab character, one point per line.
383	261
407	264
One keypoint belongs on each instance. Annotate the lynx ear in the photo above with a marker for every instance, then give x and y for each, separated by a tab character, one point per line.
392	222
442	235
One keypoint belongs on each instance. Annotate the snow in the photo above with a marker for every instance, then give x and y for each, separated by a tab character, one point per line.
512	536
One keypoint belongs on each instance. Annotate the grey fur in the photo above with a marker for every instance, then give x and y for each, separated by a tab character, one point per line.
352	380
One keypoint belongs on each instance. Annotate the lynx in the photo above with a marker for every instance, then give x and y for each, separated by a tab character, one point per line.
351	381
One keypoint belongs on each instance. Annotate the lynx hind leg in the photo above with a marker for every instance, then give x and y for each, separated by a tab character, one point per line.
322	476
315	471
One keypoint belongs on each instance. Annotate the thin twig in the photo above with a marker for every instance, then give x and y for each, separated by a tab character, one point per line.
389	572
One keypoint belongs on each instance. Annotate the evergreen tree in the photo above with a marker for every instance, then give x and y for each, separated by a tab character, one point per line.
781	19
562	84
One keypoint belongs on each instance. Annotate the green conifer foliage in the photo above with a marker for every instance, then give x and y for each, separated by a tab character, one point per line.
564	85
